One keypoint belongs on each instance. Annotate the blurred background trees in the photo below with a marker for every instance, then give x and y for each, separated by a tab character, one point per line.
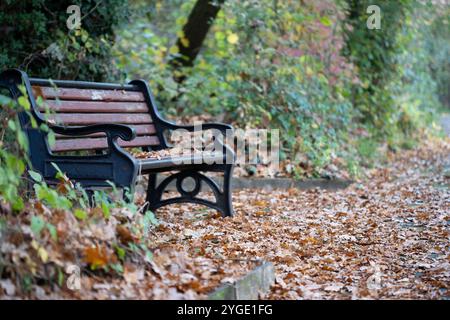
338	91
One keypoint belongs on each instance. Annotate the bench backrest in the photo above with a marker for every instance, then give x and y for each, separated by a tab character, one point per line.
75	103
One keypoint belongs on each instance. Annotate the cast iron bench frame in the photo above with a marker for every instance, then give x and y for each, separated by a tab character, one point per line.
117	165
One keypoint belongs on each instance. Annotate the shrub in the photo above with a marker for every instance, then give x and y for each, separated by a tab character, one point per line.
36	39
265	64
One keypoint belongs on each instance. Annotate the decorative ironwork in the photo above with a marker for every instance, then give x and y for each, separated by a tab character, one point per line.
222	196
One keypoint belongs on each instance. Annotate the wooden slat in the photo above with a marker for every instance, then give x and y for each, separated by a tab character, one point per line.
87	94
99	118
141	130
68	106
101	143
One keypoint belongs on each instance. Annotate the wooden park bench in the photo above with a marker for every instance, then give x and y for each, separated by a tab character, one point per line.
112	117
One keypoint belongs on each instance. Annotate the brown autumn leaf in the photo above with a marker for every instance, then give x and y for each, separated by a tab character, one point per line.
124	234
62	188
261	203
41	208
96	212
290	276
96	257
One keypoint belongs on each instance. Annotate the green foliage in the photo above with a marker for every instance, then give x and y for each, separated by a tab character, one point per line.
38	224
13	151
398	87
261	67
66	196
375	52
425	63
51	197
35	38
309	68
435	40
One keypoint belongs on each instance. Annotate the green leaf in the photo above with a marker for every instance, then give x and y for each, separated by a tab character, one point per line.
37	225
106	210
35	175
22	139
12	125
43	127
150	217
148	255
63	202
59	173
24	102
52	230
40	101
40	191
60	278
51	138
33	122
117	267
80	214
220	36
4	100
326	21
20	167
18	204
120	252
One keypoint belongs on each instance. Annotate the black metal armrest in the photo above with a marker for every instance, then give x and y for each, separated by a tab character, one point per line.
222	127
112	130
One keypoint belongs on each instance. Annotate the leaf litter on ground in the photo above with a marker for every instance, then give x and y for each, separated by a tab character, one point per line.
384	237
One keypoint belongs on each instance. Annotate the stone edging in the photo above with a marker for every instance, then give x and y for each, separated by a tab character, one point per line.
258	281
286	183
275	183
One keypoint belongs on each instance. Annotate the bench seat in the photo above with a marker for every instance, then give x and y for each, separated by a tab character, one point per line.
171	163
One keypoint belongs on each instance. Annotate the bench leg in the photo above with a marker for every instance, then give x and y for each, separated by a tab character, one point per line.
90	194
223	202
152	197
227	204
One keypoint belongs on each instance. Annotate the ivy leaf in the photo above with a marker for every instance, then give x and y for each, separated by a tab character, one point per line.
37	225
22	140
43	127
80	214
150	217
106	210
4	100
52	230
23	102
18	204
12	125
120	252
36	176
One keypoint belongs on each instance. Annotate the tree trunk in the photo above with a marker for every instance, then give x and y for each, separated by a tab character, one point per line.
195	30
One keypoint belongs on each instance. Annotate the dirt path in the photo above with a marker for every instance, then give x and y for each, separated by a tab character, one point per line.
386	237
